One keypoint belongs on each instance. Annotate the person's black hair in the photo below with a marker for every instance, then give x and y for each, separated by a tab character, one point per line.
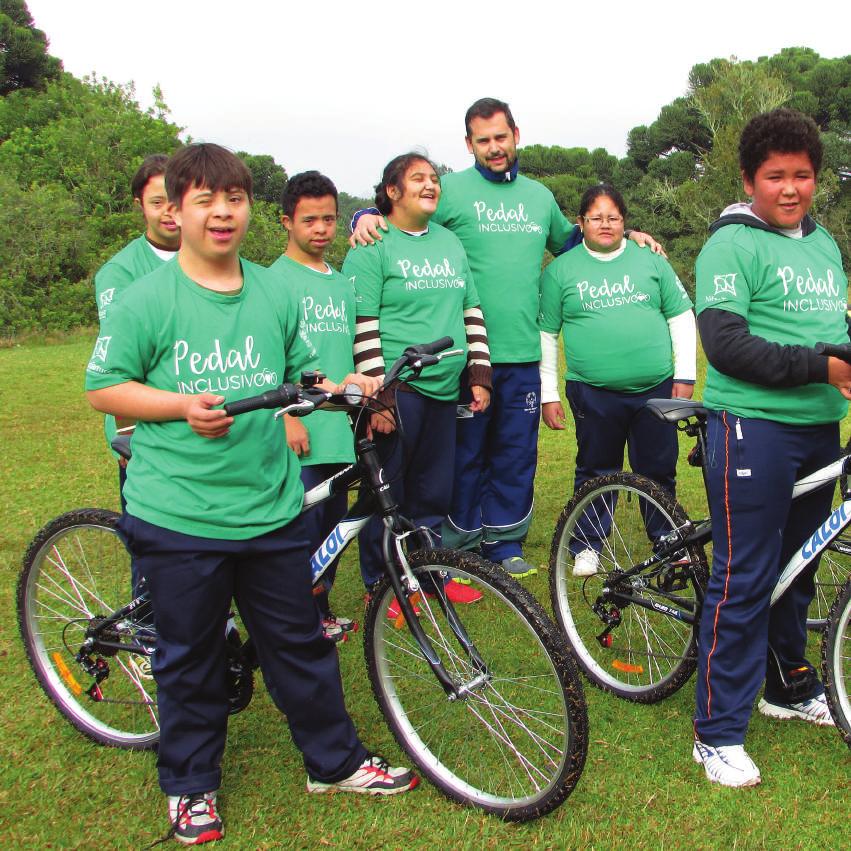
152	166
487	108
590	195
308	184
781	131
204	164
394	173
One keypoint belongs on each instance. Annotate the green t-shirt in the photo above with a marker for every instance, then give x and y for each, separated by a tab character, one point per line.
176	335
134	261
790	291
504	228
419	288
328	320
613	315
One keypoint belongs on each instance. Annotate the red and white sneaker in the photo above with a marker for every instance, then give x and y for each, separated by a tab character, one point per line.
194	818
459	593
373	777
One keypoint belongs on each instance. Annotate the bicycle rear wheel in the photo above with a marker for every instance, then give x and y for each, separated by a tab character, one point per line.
515	744
836	662
76	570
628	634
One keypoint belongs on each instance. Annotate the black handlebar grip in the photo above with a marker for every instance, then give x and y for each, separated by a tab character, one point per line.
433	348
277	398
832	350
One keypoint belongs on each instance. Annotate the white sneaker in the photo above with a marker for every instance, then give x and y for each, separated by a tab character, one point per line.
815	710
587	563
728	765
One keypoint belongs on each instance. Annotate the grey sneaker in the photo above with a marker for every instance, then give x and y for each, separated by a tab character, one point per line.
815	710
518	568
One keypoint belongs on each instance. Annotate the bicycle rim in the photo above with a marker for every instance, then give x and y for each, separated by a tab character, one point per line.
836	662
77	569
515	746
647	654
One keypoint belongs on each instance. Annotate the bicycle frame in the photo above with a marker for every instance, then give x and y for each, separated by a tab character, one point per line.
374	500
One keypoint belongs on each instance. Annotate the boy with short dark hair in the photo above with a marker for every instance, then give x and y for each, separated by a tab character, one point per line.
213	503
157	245
770	284
322	441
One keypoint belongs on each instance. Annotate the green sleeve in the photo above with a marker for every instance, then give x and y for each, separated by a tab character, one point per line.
110	280
471	294
560	228
123	349
724	274
550	316
675	299
363	267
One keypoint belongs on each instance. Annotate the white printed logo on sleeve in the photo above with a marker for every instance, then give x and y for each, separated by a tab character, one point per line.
218	371
725	284
99	355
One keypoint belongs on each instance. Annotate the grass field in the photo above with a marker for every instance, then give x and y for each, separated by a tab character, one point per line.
639	789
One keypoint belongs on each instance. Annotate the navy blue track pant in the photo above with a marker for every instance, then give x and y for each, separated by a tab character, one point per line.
322	518
418	461
751	466
606	421
192	581
495	461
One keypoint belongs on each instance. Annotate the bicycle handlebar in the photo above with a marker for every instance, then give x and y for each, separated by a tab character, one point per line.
280	397
430	348
842	352
304	400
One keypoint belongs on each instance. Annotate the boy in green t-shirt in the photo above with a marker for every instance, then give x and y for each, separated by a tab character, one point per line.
213	502
770	285
157	245
323	441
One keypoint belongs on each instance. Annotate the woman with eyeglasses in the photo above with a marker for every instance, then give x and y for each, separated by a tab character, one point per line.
629	336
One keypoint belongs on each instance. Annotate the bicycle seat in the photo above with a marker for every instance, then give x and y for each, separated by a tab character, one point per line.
674	410
121	444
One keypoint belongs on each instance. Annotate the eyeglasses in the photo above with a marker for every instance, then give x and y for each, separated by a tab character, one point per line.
599	220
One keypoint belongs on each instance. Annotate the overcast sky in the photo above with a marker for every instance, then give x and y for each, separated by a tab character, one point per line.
328	85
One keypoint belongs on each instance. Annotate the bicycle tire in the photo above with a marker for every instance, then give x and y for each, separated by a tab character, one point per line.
651	654
514	747
76	569
834	570
836	662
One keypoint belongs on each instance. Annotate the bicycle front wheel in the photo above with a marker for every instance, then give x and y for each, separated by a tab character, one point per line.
514	743
836	662
634	636
834	570
76	571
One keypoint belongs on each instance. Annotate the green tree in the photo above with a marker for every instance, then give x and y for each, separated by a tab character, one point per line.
268	177
24	60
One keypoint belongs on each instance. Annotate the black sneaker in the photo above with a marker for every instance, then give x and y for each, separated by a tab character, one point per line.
194	818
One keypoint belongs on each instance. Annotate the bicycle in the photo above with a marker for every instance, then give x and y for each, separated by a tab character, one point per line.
632	626
498	677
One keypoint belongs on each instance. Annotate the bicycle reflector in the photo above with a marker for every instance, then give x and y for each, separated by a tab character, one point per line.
66	675
627	668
